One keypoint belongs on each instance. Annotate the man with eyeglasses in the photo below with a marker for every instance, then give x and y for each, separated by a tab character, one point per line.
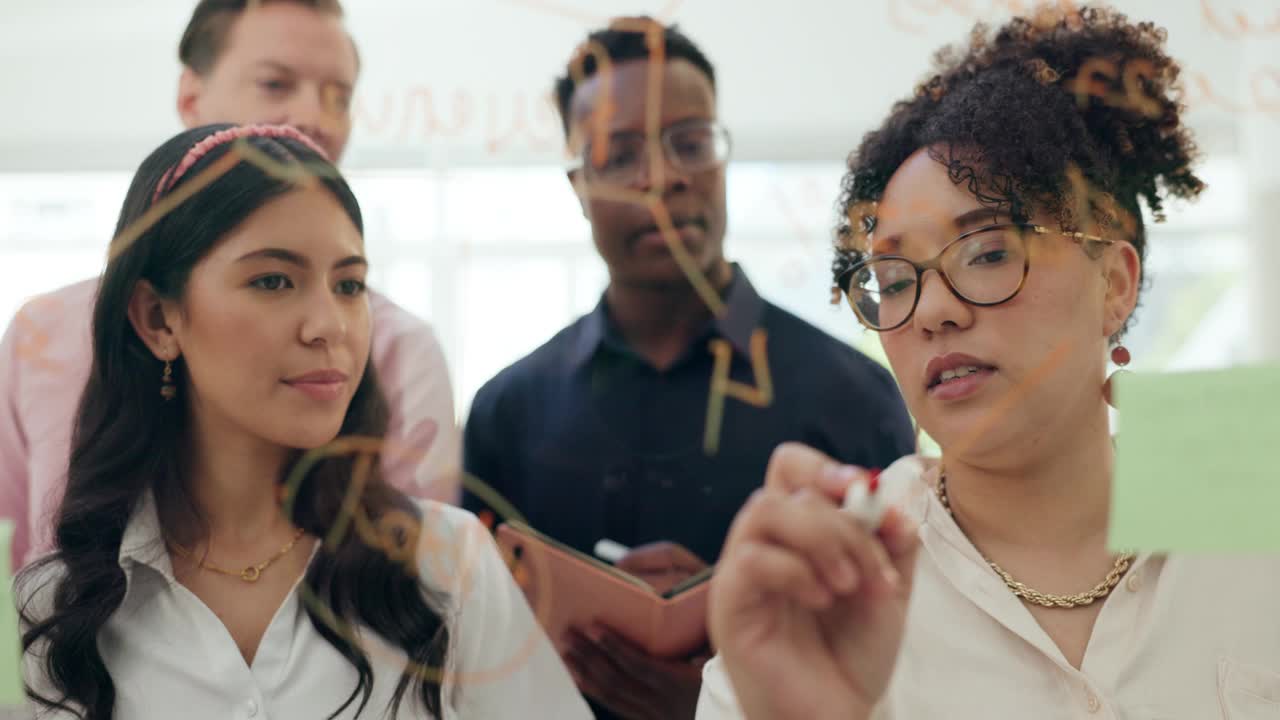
599	433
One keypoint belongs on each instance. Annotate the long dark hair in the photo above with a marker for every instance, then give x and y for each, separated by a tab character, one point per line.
128	441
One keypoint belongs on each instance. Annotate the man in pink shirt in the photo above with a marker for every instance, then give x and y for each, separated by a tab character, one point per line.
245	61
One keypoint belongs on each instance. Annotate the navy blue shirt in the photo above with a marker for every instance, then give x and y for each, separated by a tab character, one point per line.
588	440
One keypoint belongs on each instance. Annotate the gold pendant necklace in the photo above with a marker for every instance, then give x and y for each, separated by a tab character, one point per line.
1036	597
249	574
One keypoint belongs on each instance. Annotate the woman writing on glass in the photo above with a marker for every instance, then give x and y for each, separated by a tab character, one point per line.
995	241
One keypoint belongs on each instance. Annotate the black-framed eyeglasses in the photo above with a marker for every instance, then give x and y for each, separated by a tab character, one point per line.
690	146
984	267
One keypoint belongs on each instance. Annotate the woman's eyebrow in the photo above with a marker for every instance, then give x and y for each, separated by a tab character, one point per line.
301	261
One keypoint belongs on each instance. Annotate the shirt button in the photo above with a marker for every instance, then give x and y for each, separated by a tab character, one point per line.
1133	583
1094	703
251	708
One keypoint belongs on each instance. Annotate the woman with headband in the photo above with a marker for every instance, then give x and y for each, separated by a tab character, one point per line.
206	564
995	241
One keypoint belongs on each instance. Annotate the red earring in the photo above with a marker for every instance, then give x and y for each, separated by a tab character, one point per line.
1119	356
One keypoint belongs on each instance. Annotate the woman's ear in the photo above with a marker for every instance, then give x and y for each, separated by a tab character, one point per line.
190	89
1122	269
150	316
581	190
575	147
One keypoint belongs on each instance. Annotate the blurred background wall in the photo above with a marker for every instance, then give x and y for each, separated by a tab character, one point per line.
457	151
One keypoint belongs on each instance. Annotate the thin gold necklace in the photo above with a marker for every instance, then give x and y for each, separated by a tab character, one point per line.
249	574
1046	599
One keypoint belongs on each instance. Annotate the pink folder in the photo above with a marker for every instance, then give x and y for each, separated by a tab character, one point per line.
569	588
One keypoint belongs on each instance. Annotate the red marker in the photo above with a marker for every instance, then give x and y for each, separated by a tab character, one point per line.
870	501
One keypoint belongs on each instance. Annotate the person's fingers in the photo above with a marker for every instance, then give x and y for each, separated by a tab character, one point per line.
900	536
879	571
630	659
620	702
603	690
636	666
621	648
572	661
655	672
660	557
653	557
758	567
600	678
810	525
793	466
685	559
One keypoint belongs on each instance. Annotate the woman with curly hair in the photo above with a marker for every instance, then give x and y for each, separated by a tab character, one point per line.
993	236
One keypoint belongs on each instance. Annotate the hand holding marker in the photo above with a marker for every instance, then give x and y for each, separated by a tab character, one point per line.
870	501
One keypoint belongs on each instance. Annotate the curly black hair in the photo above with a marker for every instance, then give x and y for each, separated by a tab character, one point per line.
1045	113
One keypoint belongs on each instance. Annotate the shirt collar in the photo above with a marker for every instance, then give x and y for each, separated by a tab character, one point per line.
971	574
743	308
143	542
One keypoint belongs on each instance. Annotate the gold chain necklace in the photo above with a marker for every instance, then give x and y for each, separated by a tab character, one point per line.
249	574
1045	599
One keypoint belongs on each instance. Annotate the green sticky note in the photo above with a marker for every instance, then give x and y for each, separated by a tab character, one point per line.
11	689
1196	463
12	693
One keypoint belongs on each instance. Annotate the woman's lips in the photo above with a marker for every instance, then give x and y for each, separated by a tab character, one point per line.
962	386
320	384
320	390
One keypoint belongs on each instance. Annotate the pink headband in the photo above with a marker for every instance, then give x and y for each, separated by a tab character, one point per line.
221	137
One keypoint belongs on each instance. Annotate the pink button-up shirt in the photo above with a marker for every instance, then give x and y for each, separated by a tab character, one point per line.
44	364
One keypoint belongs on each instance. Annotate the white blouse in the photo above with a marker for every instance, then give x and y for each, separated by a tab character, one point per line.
1181	637
171	657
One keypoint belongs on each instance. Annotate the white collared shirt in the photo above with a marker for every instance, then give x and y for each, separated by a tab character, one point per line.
171	657
1181	637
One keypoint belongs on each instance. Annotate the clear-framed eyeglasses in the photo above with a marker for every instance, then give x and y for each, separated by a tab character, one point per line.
690	146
